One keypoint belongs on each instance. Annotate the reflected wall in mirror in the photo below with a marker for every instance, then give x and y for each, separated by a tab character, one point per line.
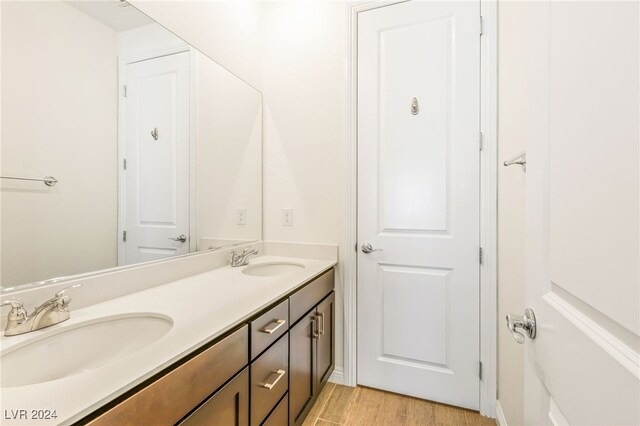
156	149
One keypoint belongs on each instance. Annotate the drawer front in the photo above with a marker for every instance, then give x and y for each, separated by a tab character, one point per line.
306	298
267	328
229	406
279	416
170	398
269	379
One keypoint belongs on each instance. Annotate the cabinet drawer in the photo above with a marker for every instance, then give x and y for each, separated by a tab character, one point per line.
269	379
267	328
175	394
306	298
229	406
279	416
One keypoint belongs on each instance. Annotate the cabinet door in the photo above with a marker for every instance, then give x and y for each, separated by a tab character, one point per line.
326	340
302	378
228	406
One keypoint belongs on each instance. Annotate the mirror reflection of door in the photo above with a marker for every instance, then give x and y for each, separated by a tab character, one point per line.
156	149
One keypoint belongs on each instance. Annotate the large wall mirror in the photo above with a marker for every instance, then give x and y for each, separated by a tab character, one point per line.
140	146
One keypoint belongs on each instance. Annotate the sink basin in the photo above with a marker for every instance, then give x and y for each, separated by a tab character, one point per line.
272	269
80	347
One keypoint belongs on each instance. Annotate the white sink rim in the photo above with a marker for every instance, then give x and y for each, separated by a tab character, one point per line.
290	267
53	332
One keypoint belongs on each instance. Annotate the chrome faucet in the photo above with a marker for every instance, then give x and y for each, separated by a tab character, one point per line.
53	311
242	258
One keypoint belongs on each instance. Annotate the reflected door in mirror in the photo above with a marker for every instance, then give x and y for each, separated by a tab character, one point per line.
157	158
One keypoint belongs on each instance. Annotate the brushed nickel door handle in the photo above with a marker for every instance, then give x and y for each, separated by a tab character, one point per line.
368	248
182	238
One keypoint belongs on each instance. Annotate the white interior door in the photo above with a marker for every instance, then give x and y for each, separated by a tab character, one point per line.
418	200
157	158
582	213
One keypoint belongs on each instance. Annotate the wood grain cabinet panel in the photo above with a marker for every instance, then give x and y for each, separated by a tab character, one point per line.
174	395
312	358
269	380
268	327
279	416
326	339
302	387
308	296
228	406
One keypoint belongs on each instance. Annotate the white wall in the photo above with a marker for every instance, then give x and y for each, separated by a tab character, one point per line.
51	51
512	134
304	131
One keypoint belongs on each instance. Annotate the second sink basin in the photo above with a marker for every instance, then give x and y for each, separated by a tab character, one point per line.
272	269
80	347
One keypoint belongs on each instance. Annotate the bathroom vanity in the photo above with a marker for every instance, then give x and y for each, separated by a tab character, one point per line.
245	345
262	372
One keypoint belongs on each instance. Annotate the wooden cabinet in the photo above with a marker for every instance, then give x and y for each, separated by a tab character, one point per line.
302	385
326	339
279	416
269	380
172	396
311	360
264	373
228	406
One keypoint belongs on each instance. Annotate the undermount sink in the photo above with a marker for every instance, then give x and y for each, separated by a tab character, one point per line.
80	347
272	269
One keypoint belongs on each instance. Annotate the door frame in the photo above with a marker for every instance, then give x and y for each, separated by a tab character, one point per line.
488	199
122	142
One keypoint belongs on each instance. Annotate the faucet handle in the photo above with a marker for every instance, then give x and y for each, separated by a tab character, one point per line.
62	299
17	313
62	292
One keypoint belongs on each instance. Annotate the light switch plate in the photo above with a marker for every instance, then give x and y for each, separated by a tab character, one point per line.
241	216
287	217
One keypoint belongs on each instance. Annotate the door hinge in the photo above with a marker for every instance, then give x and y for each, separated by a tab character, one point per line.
480	257
480	370
124	236
124	90
481	26
124	163
481	141
356	247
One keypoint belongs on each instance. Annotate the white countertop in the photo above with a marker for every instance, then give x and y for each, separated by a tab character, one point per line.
202	307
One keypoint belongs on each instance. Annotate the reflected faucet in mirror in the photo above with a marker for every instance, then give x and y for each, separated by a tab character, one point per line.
51	312
242	259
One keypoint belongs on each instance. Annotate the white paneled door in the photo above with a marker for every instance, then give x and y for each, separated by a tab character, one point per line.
582	214
157	158
418	200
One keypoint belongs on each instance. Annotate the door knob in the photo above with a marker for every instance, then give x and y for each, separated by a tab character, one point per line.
526	323
368	248
182	238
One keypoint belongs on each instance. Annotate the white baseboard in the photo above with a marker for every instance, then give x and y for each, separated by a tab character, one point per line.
337	376
499	415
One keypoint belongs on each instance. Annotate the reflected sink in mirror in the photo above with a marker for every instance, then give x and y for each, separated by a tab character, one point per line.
272	269
80	347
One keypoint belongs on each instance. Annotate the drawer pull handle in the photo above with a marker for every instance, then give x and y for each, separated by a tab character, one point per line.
279	323
321	328
270	386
